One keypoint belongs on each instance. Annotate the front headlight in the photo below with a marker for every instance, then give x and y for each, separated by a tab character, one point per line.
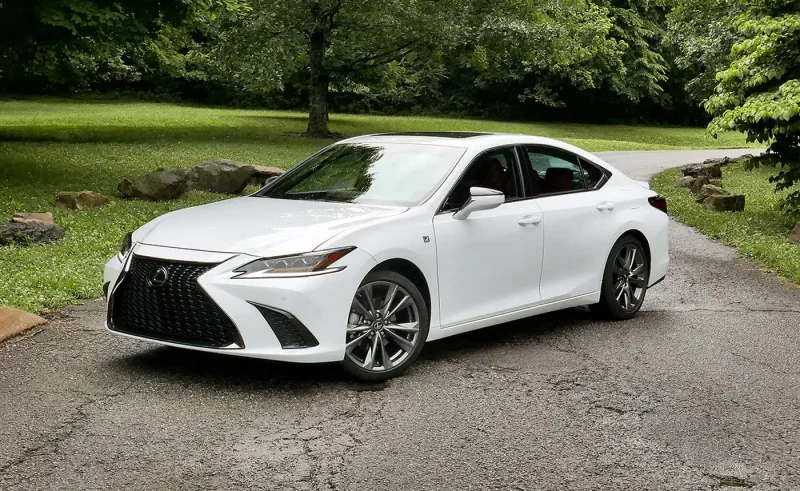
127	245
301	265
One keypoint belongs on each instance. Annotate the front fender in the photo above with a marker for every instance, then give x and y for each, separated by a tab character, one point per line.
409	237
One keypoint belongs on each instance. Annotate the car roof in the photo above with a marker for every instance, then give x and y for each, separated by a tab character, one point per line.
476	142
463	139
438	134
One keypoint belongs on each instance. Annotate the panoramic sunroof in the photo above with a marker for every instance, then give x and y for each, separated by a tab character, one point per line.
439	134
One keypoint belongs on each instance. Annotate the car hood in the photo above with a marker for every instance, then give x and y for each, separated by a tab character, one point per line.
258	226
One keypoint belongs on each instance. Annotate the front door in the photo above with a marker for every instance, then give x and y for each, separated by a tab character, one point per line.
489	263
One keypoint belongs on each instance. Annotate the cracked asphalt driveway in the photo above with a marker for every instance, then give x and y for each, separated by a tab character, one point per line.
700	391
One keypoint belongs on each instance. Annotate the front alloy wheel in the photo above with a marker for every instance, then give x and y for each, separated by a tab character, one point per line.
386	328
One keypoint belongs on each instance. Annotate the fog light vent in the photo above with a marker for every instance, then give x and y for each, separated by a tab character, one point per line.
291	333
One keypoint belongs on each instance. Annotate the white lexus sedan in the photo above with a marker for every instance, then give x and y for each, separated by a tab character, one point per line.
376	244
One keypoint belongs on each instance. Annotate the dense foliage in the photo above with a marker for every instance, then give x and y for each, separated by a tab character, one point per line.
71	45
333	41
403	50
759	93
702	33
508	58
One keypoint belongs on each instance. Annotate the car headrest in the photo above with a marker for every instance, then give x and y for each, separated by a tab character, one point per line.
490	168
557	172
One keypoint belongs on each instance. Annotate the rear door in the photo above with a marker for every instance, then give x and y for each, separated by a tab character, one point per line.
489	263
578	221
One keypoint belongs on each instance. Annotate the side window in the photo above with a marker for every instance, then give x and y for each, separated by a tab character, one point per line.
593	175
494	170
554	171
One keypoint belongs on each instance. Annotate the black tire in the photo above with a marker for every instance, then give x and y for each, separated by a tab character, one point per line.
617	276
388	340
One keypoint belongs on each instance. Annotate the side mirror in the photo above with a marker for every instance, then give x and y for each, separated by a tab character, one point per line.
270	180
480	199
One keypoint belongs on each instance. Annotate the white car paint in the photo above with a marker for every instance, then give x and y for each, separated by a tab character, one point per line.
525	257
237	225
486	262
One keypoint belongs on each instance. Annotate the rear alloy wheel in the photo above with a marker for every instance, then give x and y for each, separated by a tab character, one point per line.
624	281
386	328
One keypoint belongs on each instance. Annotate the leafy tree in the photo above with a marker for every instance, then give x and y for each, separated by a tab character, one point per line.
620	46
73	43
506	58
538	46
639	26
330	40
404	47
759	93
703	32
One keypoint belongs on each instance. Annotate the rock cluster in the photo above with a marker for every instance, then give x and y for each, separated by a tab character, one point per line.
30	228
707	168
704	181
217	176
39	228
712	167
80	200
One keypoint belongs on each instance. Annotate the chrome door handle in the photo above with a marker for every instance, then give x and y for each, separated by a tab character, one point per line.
530	220
606	206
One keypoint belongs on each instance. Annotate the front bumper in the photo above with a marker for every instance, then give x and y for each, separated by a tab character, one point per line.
320	303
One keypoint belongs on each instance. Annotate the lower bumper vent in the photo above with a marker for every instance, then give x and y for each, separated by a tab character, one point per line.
291	333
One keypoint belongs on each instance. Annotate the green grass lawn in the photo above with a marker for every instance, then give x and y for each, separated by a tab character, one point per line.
759	233
52	145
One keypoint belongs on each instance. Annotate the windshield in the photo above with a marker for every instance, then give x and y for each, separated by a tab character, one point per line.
398	174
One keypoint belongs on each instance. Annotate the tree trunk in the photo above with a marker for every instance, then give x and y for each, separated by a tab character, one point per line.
318	87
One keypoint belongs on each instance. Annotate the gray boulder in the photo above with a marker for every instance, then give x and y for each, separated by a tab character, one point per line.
725	202
698	183
735	160
32	217
794	235
220	176
723	161
685	182
32	232
710	190
159	185
80	200
710	168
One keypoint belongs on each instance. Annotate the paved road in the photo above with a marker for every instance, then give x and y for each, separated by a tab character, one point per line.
699	391
643	165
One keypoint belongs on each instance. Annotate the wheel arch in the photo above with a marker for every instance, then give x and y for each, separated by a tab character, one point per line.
638	235
410	271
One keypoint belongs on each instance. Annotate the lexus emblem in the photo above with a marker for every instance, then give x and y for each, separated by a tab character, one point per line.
157	276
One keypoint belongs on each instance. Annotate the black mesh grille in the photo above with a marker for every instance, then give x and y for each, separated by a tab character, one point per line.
291	333
177	311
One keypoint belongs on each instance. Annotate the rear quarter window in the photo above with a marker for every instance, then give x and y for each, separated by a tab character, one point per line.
594	176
